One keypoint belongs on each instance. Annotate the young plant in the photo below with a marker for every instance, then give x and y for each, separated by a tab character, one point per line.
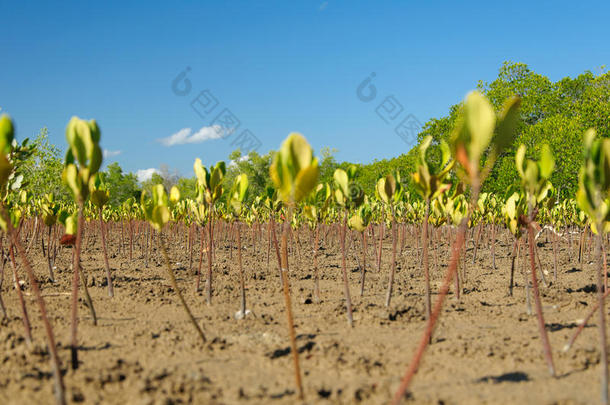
99	198
536	186
294	172
513	209
360	222
593	197
157	213
430	183
83	160
273	205
209	186
7	169
49	210
315	211
389	190
200	215
457	208
236	203
493	217
348	195
471	137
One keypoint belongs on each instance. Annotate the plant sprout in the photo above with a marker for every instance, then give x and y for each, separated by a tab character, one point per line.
348	196
536	186
7	225
593	197
209	189
83	160
157	213
471	137
236	202
389	191
99	198
294	172
430	184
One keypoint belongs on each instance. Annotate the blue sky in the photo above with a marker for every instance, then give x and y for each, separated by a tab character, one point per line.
277	66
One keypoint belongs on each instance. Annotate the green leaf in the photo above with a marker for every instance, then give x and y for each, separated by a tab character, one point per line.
96	159
7	134
480	121
390	186
445	155
174	195
71	224
519	159
355	222
94	131
306	180
242	180
341	181
5	170
215	178
423	148
605	165
72	179
300	151
380	188
531	173
201	173
99	198
75	131
547	162
160	217
507	125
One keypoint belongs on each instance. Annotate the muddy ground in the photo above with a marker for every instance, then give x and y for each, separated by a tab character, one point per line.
486	349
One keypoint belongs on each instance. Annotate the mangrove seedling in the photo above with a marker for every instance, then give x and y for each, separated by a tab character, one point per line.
429	182
157	212
593	197
209	186
294	172
348	195
83	160
237	197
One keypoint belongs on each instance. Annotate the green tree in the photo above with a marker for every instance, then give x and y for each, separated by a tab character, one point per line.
328	164
187	187
253	165
148	185
42	169
120	185
556	113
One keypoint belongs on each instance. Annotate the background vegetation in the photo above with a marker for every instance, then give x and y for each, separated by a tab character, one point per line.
556	113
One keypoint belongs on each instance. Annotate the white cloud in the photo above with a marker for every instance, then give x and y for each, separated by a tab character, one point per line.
240	159
186	135
145	174
323	6
111	153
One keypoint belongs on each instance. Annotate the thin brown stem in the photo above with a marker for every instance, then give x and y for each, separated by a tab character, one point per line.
388	296
424	241
348	300
24	312
60	397
106	264
543	334
174	283
287	300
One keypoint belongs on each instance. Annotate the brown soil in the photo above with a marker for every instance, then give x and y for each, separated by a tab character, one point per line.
486	348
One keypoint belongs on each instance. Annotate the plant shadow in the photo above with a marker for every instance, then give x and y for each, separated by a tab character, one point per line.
514	376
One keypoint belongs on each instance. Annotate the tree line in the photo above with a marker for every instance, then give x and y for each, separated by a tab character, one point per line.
556	113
